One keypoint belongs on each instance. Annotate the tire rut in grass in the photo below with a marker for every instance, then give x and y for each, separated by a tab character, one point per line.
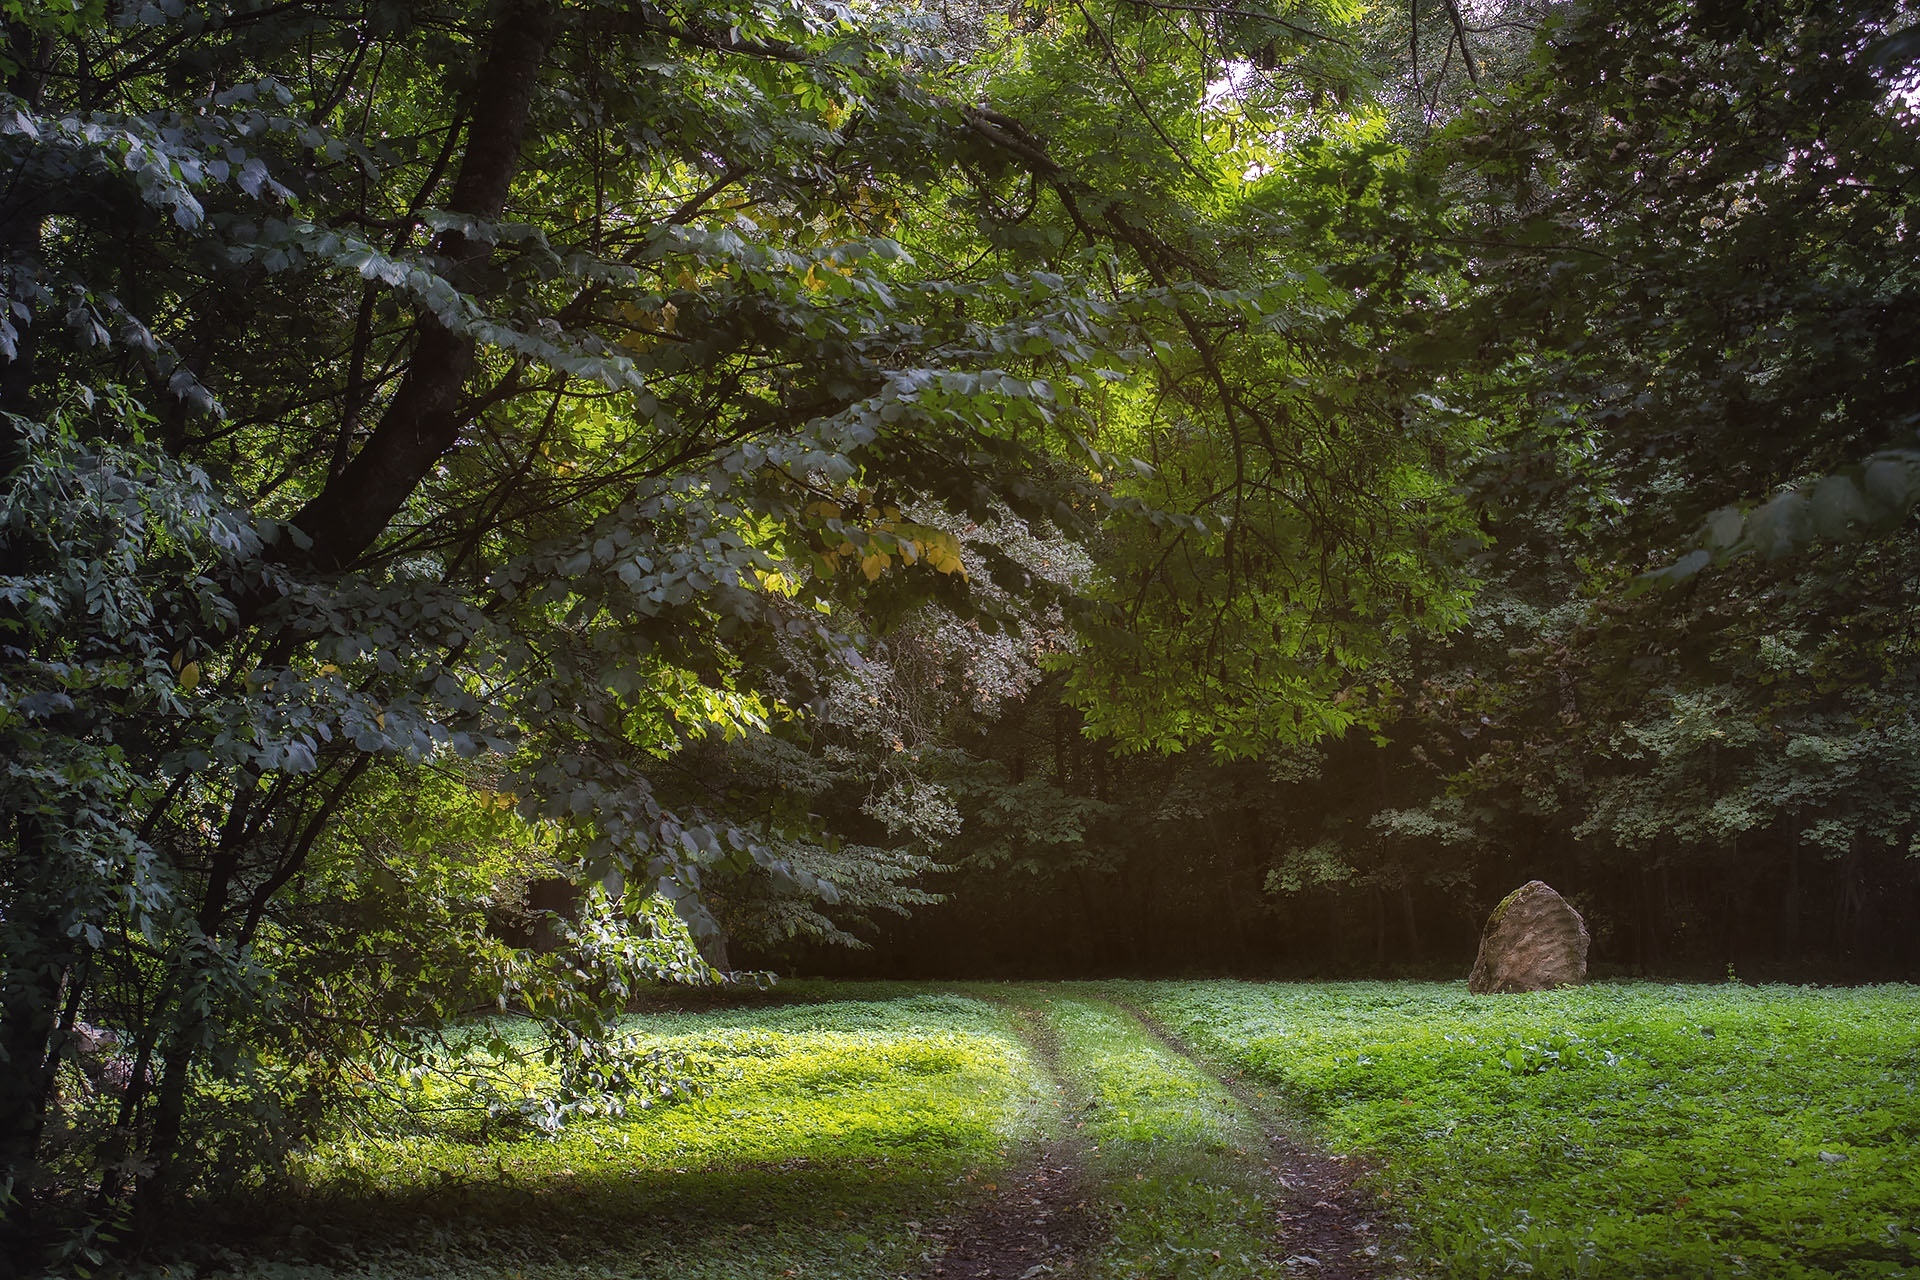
1327	1222
1037	1222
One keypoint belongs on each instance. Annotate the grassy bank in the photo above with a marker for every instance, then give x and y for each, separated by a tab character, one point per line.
1610	1131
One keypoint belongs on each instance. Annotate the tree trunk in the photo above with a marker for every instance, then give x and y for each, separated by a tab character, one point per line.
1652	922
1089	917
163	1145
35	982
1849	908
1379	930
427	413
421	423
1790	907
26	1084
1413	926
714	949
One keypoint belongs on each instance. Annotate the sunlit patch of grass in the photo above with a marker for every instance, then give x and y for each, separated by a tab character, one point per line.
830	1133
1608	1131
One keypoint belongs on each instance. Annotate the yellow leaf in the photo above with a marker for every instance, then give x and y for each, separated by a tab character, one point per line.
942	551
645	322
876	564
909	552
190	676
179	656
381	719
687	280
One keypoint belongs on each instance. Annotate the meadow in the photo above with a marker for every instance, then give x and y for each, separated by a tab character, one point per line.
1611	1130
854	1130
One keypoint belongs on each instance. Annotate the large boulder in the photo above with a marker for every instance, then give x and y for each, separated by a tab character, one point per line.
1533	941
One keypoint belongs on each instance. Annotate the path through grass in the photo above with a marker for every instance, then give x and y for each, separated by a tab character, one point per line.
1174	1167
851	1130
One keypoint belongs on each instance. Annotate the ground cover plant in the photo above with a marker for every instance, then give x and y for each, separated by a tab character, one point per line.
858	1130
828	1136
832	1130
1612	1130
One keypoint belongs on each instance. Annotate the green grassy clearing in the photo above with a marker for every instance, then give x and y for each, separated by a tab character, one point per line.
1613	1130
836	1131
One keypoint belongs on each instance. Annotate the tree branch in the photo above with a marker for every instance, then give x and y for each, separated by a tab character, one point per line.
425	416
1460	33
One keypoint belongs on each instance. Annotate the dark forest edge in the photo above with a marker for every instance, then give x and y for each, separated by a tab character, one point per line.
506	503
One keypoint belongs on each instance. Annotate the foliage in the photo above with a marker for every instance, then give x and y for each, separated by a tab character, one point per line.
1303	471
1634	1130
530	449
1662	377
1693	243
864	783
1713	769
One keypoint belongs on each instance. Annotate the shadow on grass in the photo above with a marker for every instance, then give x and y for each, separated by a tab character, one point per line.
841	1116
757	1213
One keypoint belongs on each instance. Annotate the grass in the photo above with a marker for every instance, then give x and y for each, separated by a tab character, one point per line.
835	1131
1617	1131
1173	1163
1612	1131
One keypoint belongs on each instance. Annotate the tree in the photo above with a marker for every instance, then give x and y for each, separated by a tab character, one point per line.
1668	298
565	385
501	379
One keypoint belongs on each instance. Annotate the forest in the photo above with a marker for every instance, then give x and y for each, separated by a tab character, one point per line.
543	540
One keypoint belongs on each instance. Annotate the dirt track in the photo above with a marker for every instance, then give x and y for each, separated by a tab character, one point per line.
1044	1218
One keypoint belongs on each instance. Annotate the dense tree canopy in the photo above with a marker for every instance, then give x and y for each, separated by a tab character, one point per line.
502	501
1671	286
